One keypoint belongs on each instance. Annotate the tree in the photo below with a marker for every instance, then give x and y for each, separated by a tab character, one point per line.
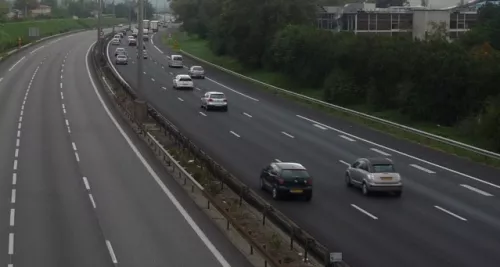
25	4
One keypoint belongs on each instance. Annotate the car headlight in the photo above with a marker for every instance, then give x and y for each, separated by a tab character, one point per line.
371	176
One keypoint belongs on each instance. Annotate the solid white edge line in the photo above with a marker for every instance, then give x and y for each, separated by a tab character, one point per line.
365	212
86	182
155	176
230	89
402	153
450	213
347	138
319	126
12	217
422	168
235	134
380	152
479	191
15	64
11	243
111	252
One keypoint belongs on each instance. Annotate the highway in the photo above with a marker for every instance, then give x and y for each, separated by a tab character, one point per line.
79	188
449	214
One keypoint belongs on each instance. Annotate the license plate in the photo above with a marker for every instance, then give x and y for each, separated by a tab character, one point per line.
296	191
386	178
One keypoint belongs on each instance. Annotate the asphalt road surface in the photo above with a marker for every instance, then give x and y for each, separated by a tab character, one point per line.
449	214
79	189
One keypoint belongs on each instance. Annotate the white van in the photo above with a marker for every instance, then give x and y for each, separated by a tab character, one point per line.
175	61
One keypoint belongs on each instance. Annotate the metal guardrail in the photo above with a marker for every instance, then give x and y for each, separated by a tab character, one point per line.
296	234
441	139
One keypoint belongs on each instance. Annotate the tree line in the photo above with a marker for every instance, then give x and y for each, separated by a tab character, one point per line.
78	8
433	80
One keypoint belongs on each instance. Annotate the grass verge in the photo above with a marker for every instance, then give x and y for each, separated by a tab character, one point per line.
200	48
10	32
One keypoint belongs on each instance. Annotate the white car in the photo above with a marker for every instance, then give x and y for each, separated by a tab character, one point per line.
115	41
214	100
183	81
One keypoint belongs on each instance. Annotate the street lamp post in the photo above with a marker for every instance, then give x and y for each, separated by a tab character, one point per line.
99	20
114	15
140	44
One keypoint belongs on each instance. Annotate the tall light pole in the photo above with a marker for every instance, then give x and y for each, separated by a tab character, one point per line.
130	5
114	15
99	19
140	43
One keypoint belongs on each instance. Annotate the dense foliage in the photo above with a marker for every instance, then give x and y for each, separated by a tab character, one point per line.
446	83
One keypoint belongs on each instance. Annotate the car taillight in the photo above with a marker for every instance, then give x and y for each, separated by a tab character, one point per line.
281	181
225	100
210	100
309	181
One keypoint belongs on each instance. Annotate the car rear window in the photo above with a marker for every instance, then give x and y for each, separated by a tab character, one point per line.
197	68
383	168
185	79
217	96
177	58
294	174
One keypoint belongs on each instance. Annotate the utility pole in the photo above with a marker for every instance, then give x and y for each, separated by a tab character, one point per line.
140	45
130	7
99	10
114	15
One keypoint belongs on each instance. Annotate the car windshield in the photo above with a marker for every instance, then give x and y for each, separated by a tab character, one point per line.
294	174
185	79
197	68
217	96
377	168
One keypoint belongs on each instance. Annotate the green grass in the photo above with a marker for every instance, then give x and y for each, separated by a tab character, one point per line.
200	48
10	32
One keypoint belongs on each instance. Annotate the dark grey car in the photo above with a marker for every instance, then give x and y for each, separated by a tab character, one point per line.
286	179
121	60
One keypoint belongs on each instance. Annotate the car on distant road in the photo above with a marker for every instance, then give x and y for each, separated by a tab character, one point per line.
132	41
175	61
144	54
121	60
286	179
374	175
197	72
214	100
117	36
183	81
119	50
115	41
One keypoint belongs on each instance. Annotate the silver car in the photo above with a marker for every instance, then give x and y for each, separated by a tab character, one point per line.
214	100
197	72
374	174
115	41
119	50
121	60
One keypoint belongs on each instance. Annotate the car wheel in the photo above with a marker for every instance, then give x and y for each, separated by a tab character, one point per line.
365	190
348	181
225	109
398	193
262	186
309	197
276	195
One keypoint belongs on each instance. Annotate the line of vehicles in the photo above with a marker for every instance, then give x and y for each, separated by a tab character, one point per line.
284	179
